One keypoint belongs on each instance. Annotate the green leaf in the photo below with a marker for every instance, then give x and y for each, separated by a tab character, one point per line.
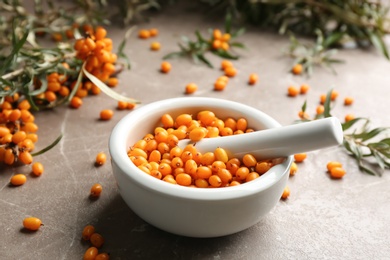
238	33
238	45
332	39
225	54
122	45
378	42
228	22
204	60
371	134
47	148
327	104
303	108
172	55
107	90
350	123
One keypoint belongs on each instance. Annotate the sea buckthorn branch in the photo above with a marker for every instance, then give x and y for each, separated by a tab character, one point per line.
218	43
317	54
369	146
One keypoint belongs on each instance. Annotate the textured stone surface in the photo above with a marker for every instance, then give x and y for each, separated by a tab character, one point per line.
322	219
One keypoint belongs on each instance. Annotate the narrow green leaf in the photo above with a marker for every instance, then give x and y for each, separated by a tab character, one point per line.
238	45
327	102
228	22
47	148
206	61
172	55
107	90
378	42
352	122
303	108
238	33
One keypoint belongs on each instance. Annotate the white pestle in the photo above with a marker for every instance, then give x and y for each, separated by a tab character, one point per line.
277	142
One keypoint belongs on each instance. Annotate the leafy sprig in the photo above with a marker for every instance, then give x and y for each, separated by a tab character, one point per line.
314	54
370	147
217	43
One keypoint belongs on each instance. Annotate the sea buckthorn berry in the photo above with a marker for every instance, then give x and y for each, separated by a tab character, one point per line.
217	34
167	121
207	158
76	102
225	175
252	176
184	179
292	91
198	134
221	155
225	64
249	160
230	72
37	169
153	32
156	174
304	88
203	172
14	115
91	253
286	193
300	157
348	101
333	164
231	123
122	105
215	181
106	114
101	158
155	46
24	104
215	166
337	172
18	179
19	137
112	82
170	179
216	44
349	117
25	157
143	34
32	223
219	85
201	183
191	88
334	94
183	119
253	78
242	124
165	67
102	256
165	169
225	46
191	167
293	169
96	190
297	69
226	131
320	109
87	232
9	157
262	167
242	173
100	33
154	156
97	240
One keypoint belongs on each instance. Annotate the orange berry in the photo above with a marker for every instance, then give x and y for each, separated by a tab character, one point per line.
100	33
87	232
155	46
143	34
217	34
32	223
153	32
191	88
91	253
333	164
230	72
25	157
184	179
349	117
337	172
297	69
97	240
219	85
320	109
165	67
300	157
348	101
76	102
37	169
96	190
253	79
225	64
112	82
101	158
293	169
304	88
334	94
106	114
292	91
18	179
286	193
